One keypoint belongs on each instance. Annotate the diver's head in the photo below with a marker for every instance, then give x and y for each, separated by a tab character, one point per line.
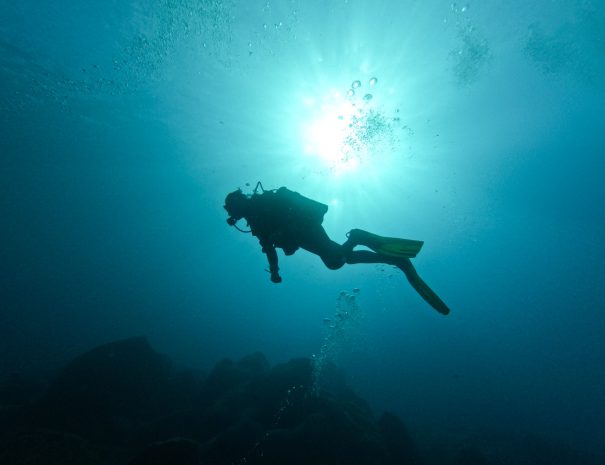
235	204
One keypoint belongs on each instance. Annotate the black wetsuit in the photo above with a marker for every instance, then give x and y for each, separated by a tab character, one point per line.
286	220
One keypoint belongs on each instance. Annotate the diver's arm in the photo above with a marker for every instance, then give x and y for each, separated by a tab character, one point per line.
271	253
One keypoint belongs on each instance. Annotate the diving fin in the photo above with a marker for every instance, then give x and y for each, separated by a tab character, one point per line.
389	246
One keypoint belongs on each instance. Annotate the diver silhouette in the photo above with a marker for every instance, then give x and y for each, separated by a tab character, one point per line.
287	220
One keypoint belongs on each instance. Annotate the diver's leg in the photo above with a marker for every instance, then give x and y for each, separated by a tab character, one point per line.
405	265
365	256
392	246
355	237
348	246
317	241
421	287
361	237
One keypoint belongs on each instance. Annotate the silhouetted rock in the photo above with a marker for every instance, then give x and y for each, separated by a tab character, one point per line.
398	442
470	456
254	364
18	389
234	444
108	391
273	416
324	435
176	451
228	375
48	448
281	419
134	409
13	422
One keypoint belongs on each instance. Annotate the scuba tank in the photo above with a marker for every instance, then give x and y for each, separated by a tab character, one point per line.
294	210
302	208
299	209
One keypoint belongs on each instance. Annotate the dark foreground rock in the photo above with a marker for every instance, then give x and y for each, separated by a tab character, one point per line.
49	448
126	397
175	451
105	393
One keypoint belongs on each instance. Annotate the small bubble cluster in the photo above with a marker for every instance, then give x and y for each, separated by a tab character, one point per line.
338	329
357	84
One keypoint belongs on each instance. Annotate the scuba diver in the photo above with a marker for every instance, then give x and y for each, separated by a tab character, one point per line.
287	220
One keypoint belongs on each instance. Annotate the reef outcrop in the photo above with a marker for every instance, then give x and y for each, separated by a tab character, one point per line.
124	403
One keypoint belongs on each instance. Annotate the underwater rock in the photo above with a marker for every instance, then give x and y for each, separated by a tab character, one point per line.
399	444
49	448
125	397
18	389
470	456
108	390
303	426
228	375
13	422
17	393
236	444
272	416
174	451
254	364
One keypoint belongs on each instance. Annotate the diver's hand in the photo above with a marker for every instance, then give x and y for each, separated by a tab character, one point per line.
274	271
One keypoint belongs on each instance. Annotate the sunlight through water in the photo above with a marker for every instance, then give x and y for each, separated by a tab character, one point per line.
350	130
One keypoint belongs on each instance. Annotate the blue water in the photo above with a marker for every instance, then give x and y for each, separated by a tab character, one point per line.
123	125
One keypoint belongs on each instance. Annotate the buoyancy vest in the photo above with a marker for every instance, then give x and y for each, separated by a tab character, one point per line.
279	216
